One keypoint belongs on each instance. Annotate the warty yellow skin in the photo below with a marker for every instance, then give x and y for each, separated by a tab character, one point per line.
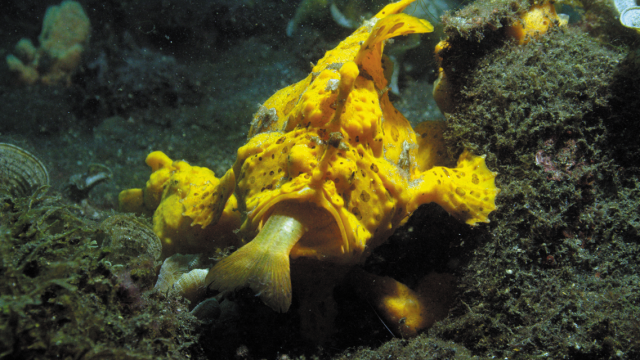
331	169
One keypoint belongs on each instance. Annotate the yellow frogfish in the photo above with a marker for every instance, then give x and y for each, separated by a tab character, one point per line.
329	171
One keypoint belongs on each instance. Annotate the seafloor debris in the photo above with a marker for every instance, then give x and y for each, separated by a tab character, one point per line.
80	184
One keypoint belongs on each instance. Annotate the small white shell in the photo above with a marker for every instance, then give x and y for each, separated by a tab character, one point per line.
21	173
622	5
183	275
172	269
630	17
207	310
192	286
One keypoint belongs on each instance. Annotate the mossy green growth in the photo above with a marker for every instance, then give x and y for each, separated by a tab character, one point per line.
555	274
421	347
479	19
62	297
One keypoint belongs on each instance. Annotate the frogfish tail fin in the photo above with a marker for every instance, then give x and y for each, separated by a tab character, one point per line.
262	264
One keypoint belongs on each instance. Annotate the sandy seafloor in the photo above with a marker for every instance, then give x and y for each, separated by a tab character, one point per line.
185	77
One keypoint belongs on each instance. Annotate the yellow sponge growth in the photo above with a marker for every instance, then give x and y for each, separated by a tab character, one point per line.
535	22
403	310
65	33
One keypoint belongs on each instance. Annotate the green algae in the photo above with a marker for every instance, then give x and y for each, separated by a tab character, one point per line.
555	275
63	297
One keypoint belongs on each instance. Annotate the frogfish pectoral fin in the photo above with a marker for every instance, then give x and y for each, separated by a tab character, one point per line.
263	263
467	191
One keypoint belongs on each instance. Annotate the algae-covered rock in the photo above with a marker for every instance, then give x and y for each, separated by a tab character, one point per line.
62	298
549	276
